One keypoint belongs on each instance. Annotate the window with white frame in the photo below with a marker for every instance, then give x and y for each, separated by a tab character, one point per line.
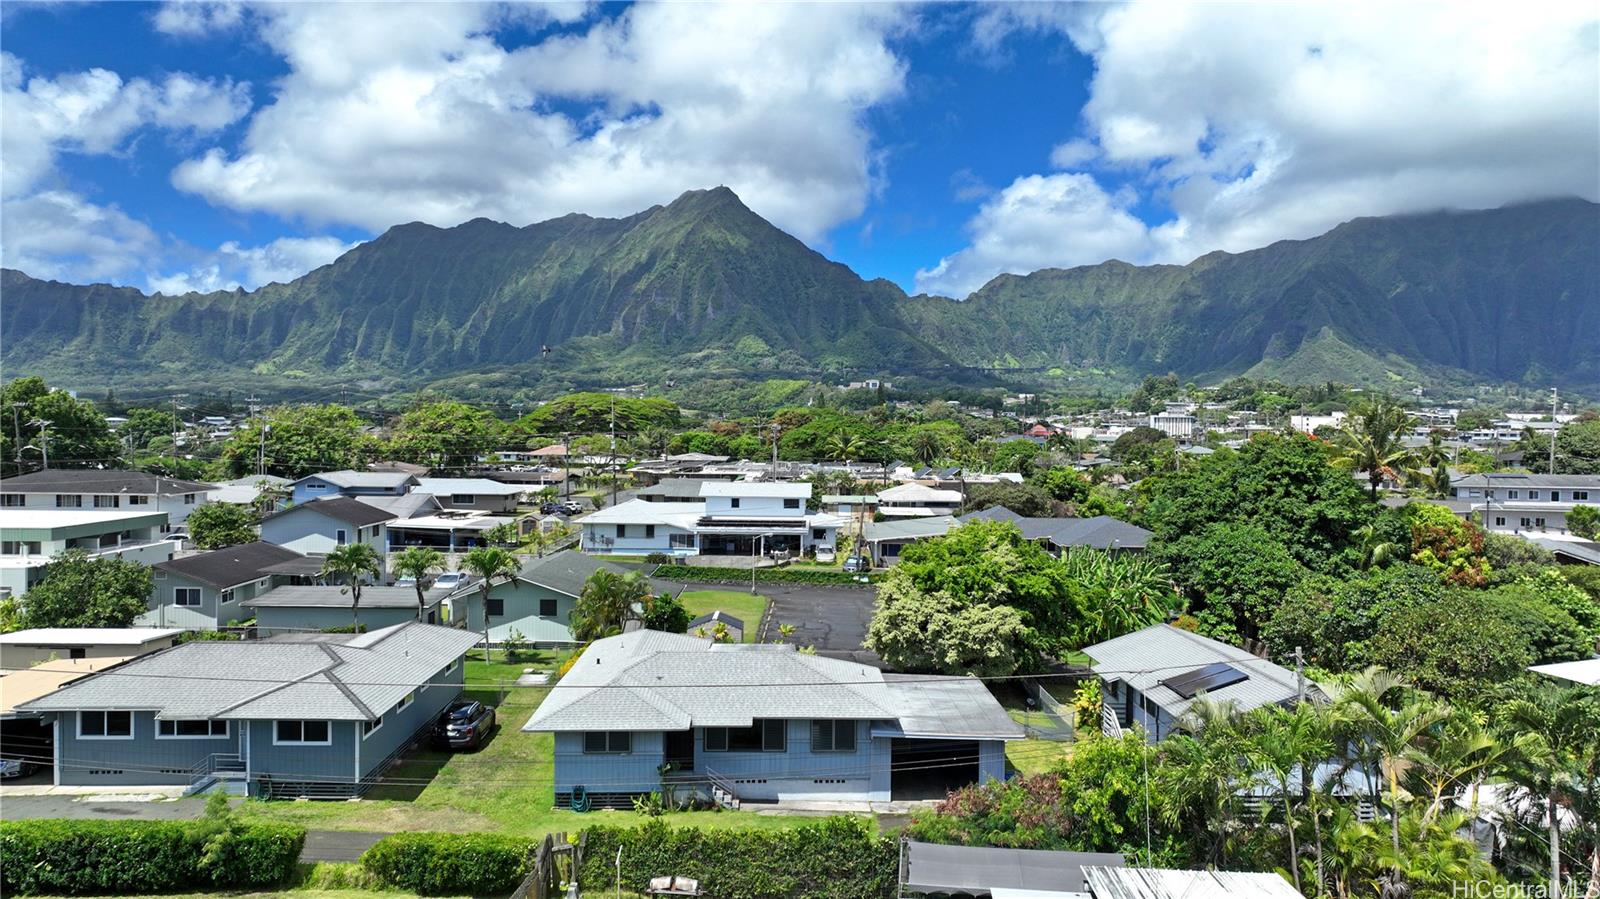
1514	494
340	536
104	501
105	725
185	596
367	727
763	735
191	729
1579	496
65	501
188	499
1533	494
226	595
302	733
405	701
138	500
13	500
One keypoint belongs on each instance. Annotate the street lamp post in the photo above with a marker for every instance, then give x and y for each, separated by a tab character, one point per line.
755	557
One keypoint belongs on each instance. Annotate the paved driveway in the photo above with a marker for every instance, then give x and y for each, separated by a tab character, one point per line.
833	619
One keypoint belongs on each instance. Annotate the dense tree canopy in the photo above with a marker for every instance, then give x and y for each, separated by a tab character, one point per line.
78	591
215	525
300	440
1235	576
447	435
591	413
78	435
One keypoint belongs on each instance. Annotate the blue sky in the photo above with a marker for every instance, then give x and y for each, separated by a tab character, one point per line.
206	145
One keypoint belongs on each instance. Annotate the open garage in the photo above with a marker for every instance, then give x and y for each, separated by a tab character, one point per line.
928	769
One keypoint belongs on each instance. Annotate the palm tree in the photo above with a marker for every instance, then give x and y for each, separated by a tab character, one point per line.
488	563
845	446
1559	759
351	561
417	562
1284	740
1376	552
606	601
926	446
1387	733
1204	770
1372	439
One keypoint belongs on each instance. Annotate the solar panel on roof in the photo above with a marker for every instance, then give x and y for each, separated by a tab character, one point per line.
1214	676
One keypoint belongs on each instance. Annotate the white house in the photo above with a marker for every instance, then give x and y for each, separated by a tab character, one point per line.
738	518
918	501
30	538
1524	503
135	491
351	483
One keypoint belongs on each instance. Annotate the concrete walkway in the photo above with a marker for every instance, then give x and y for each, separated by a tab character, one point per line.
320	846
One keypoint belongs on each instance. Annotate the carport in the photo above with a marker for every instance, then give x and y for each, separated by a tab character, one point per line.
929	769
25	736
986	871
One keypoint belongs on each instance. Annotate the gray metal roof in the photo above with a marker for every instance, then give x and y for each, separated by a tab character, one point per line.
1587	551
371	479
565	571
1528	480
648	680
96	480
978	870
1163	883
338	597
1145	658
231	566
907	529
713	617
345	677
340	508
1099	532
677	488
406	505
445	486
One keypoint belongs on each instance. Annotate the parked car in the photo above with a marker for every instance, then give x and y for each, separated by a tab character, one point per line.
10	768
405	582
572	507
825	554
549	508
464	725
450	580
856	564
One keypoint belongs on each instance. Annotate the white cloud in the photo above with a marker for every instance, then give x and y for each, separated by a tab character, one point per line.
233	266
1039	221
193	18
416	112
49	229
1260	122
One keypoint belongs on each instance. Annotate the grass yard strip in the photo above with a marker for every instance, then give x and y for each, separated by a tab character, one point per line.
1034	756
738	603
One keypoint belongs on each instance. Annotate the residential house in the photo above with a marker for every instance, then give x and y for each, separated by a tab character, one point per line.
322	525
449	532
762	722
205	590
310	608
536	603
706	626
105	489
1114	882
885	539
351	483
312	715
246	491
739	518
850	505
1061	534
473	494
24	649
1151	677
918	501
1523	503
30	538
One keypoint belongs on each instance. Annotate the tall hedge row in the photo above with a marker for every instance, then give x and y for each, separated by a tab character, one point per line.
836	858
73	857
711	575
449	863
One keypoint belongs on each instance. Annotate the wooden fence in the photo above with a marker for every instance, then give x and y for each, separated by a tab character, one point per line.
553	865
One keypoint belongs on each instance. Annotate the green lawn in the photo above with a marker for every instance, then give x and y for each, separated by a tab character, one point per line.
1032	756
738	603
507	786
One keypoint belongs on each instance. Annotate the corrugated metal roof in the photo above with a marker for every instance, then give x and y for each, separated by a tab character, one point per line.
978	870
1163	883
347	479
93	480
647	680
1171	652
351	677
87	636
443	486
917	493
910	529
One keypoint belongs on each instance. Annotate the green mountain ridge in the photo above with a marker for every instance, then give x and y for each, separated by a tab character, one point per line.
703	287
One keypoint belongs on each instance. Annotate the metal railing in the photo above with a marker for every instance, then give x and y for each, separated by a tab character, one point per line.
1109	725
722	791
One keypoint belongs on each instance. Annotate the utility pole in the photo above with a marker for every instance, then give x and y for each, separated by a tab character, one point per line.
177	423
775	432
1299	676
613	449
44	439
1554	430
16	431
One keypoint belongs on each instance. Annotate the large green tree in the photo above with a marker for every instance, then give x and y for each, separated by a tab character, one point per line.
592	413
76	590
75	431
606	601
1281	484
215	525
1235	576
300	440
446	435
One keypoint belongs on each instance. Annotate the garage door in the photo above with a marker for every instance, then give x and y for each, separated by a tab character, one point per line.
928	769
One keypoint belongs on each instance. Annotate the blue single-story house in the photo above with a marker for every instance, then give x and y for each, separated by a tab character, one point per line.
323	525
647	710
1151	677
537	602
316	715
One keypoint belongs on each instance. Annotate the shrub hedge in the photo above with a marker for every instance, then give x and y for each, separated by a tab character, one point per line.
449	863
711	575
836	858
73	857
